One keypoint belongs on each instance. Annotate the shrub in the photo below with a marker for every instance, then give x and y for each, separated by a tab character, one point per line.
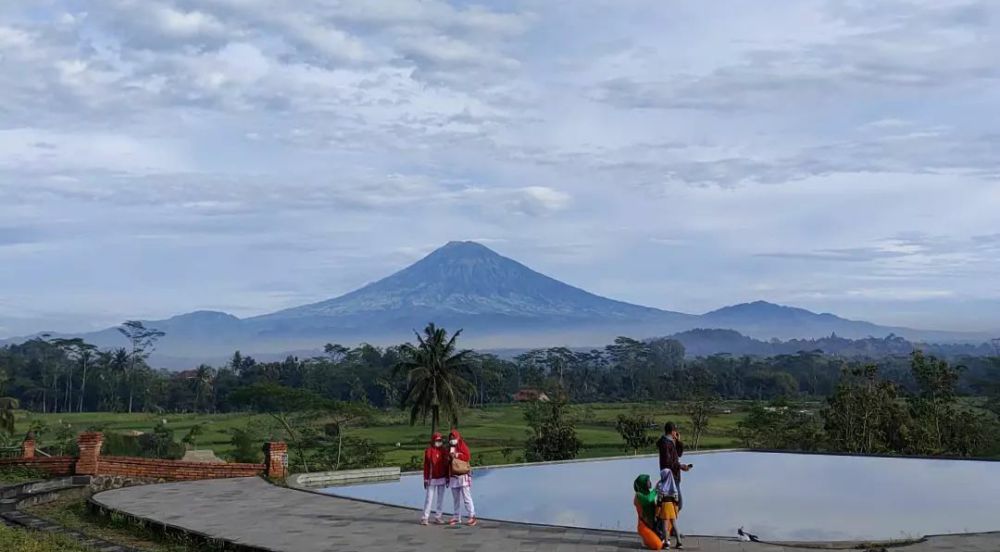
552	435
634	429
246	446
361	453
157	444
19	474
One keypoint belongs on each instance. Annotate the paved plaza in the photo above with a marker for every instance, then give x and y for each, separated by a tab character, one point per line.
251	511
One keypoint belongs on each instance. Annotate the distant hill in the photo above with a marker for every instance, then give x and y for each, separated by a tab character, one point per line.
498	301
707	342
764	319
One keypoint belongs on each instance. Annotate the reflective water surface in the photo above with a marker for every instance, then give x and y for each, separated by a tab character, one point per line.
777	496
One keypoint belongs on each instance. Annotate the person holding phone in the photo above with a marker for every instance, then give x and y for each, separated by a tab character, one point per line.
460	482
670	450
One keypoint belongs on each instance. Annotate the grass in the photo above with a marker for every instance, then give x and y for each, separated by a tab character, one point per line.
491	431
14	476
22	540
73	514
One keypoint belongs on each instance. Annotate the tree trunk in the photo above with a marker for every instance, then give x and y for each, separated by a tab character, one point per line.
340	444
435	413
68	405
293	438
83	385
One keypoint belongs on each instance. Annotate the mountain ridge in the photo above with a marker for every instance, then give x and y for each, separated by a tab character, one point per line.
497	300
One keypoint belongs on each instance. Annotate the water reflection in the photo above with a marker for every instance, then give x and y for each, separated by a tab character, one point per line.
777	496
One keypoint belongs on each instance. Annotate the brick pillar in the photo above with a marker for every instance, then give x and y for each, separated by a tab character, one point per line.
90	452
275	460
28	447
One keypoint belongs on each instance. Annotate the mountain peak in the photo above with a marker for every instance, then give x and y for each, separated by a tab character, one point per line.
203	315
462	249
757	308
466	278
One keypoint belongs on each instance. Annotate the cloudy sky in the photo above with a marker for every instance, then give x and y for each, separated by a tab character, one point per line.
161	156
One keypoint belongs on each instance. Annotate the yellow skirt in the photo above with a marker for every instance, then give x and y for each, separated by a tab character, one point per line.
667	511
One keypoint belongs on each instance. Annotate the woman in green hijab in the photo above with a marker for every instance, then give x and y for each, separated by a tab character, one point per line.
645	501
645	507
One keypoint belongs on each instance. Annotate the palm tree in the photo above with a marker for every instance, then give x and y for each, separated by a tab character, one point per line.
115	370
434	374
202	383
8	409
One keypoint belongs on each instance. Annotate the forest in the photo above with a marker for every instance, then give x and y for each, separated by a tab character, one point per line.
70	375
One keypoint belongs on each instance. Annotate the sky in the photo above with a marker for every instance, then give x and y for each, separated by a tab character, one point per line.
163	156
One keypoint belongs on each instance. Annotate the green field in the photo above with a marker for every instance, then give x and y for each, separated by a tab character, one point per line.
489	430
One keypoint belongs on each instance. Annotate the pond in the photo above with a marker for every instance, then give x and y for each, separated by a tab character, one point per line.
780	497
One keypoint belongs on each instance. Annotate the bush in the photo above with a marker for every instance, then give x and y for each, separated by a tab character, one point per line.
158	444
361	453
17	474
246	447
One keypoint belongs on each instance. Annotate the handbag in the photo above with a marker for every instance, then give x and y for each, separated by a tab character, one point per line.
460	467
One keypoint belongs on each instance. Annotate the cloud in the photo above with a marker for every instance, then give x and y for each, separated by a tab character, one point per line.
902	47
829	154
41	150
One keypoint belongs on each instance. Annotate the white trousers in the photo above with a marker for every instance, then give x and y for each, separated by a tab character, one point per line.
434	496
460	495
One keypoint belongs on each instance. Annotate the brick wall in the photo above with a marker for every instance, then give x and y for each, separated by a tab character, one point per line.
276	460
91	462
56	466
173	470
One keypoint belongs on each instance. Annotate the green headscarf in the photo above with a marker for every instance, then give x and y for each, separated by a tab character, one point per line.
645	497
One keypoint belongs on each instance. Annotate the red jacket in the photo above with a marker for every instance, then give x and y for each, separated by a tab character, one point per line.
436	462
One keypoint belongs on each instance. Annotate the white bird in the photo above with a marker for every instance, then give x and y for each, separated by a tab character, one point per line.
746	537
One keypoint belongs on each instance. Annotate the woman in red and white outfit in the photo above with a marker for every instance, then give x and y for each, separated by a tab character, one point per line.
461	485
436	467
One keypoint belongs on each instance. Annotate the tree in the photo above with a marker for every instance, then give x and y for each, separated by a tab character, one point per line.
630	356
117	371
8	414
142	341
700	411
191	437
863	415
434	374
634	429
932	408
342	415
778	427
291	408
552	435
82	353
202	384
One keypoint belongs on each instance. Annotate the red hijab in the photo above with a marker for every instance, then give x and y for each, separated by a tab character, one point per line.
461	449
